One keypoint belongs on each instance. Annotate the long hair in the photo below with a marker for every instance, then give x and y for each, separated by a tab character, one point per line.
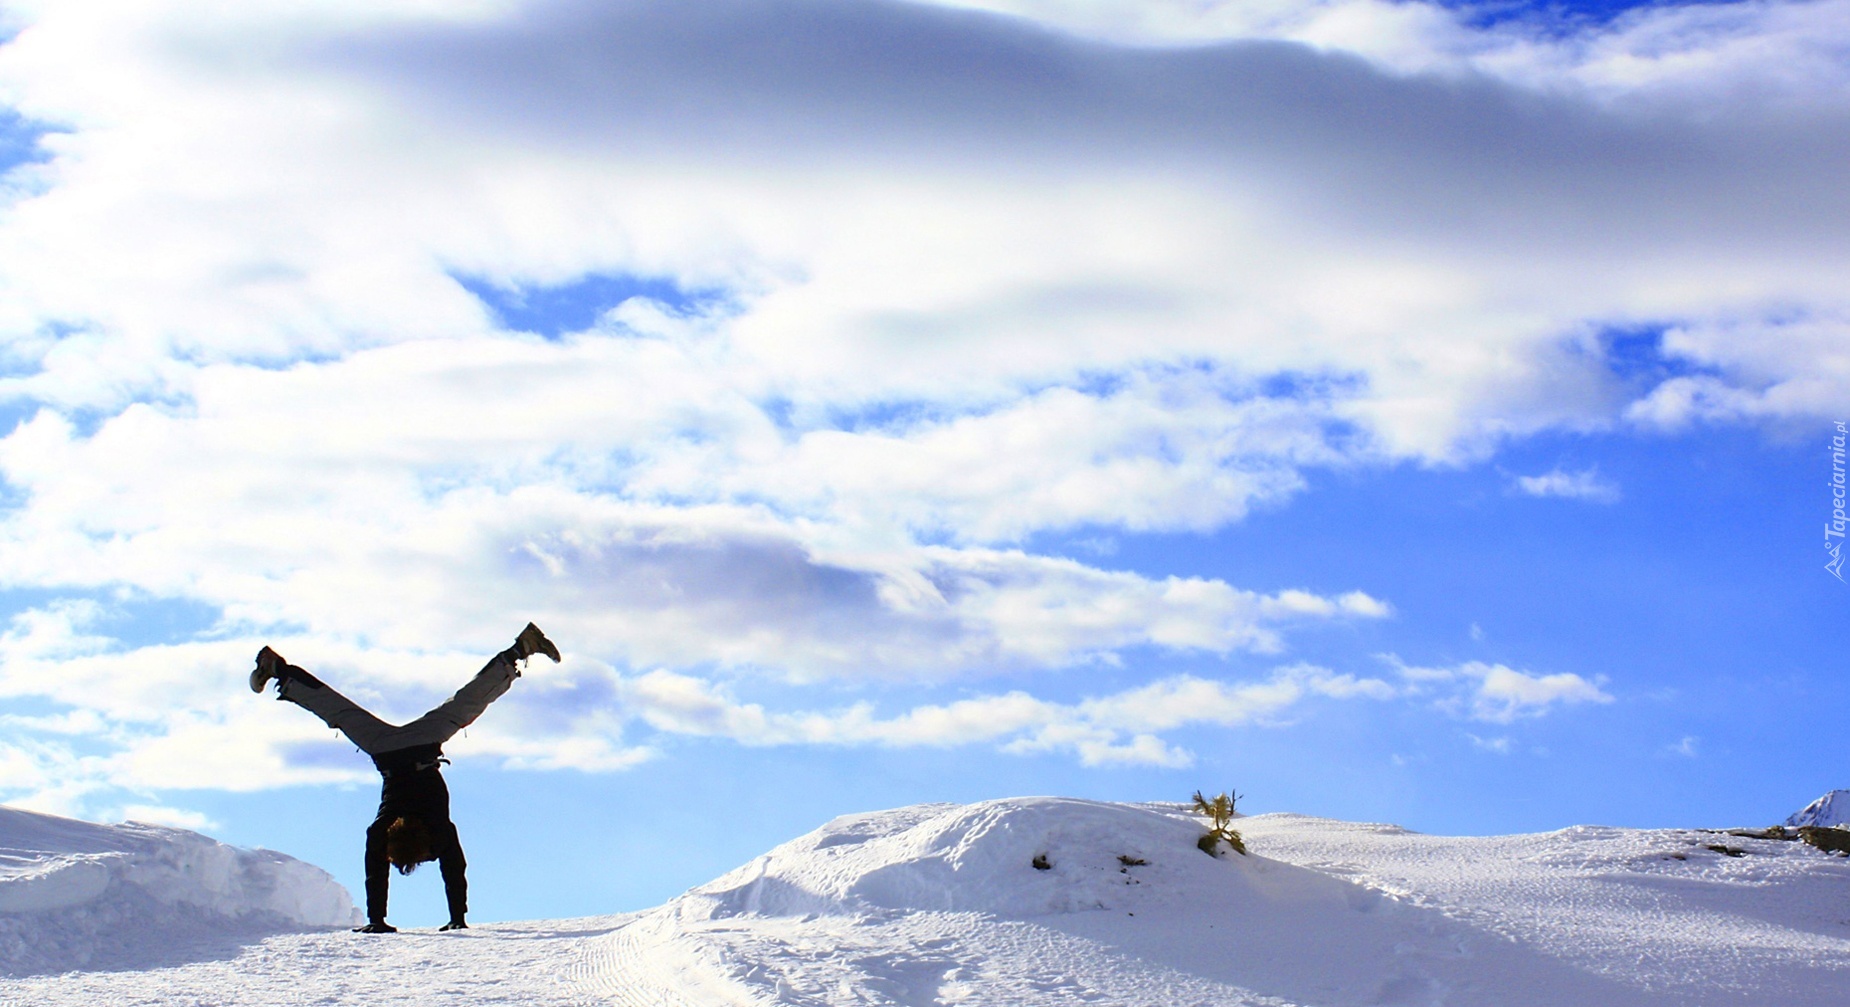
408	843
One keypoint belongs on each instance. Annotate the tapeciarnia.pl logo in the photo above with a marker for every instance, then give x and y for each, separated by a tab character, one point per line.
1834	529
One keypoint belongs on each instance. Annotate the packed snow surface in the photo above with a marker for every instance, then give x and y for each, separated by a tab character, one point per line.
1831	811
1049	901
78	895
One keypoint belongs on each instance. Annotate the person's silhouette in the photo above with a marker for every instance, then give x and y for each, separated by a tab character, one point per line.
413	825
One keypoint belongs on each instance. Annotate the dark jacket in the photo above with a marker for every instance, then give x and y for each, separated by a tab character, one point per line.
414	788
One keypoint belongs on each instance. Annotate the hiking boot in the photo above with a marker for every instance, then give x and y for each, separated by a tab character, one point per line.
531	641
270	665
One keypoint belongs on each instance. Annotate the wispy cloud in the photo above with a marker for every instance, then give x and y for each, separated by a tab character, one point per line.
178	716
1585	484
1498	745
1124	727
160	814
1497	693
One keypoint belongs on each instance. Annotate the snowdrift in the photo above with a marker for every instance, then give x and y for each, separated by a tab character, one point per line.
79	895
1049	902
1057	901
1830	811
974	858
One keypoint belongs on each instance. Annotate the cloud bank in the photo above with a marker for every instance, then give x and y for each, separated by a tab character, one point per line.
980	274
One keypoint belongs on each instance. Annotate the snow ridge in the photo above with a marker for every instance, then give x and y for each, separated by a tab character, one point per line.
80	895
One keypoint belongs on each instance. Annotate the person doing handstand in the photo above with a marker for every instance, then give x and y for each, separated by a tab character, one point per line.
413	825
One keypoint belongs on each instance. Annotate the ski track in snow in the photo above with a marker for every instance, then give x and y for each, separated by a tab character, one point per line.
940	905
919	959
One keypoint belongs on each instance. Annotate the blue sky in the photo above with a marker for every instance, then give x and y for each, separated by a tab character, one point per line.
1393	411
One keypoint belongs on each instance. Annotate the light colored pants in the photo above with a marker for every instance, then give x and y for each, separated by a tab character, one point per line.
375	736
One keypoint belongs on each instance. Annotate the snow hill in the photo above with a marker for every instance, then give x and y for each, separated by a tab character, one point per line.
945	904
78	895
1832	811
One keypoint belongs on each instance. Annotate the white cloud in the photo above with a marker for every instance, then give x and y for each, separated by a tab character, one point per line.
1754	368
983	281
1504	694
876	272
1498	745
1497	693
1123	728
1718	50
1167	450
179	717
155	718
1585	484
1358	603
417	512
867	263
74	722
179	818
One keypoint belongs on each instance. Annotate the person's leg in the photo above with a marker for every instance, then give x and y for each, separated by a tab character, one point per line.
488	685
461	710
337	711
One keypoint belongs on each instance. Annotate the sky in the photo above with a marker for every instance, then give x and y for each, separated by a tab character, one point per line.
1398	412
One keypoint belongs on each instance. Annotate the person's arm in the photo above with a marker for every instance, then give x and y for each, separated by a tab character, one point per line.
455	881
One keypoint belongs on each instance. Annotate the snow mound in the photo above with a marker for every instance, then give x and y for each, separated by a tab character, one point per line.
76	894
969	858
1047	902
1831	811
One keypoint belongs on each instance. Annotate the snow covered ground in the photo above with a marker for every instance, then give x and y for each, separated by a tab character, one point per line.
78	895
944	904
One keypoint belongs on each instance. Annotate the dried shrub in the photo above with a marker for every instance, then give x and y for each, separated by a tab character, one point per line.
1220	811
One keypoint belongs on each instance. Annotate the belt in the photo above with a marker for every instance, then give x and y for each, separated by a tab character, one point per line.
416	768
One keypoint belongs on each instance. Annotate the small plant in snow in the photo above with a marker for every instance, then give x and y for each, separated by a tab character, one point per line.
1219	810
